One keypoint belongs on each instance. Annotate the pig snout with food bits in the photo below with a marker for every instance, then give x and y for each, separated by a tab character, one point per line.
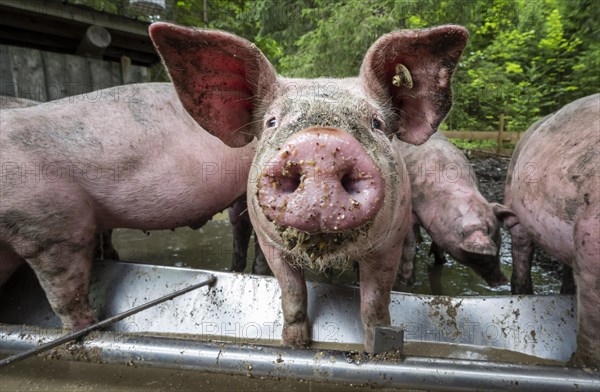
448	205
327	186
553	192
131	157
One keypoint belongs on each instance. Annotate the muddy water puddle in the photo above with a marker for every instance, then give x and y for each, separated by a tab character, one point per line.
211	248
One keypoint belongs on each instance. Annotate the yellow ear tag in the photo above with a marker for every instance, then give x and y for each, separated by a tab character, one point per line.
402	77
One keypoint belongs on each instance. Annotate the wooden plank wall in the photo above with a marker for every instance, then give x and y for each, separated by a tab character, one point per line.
45	76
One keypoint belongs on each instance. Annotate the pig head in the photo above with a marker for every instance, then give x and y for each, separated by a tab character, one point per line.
327	186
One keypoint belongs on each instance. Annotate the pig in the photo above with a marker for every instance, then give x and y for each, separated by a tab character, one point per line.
327	186
104	248
448	205
553	201
242	230
129	157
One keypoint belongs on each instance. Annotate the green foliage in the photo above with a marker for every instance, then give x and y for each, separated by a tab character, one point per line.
342	34
474	144
525	58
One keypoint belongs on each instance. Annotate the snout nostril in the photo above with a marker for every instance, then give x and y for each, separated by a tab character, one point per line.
350	184
288	179
290	184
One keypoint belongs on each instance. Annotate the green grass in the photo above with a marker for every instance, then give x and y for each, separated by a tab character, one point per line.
474	144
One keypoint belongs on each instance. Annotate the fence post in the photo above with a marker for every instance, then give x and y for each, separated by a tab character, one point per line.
500	139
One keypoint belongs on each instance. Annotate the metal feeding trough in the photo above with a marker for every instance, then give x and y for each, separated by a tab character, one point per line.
234	327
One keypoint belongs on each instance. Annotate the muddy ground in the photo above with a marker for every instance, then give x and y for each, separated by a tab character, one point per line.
491	174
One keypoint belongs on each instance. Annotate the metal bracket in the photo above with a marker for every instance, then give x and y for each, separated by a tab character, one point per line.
388	338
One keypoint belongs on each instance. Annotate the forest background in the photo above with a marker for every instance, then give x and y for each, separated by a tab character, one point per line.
524	59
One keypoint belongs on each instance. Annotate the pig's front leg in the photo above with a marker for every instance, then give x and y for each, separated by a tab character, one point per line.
377	276
64	273
438	254
406	271
522	255
568	286
296	332
242	230
259	265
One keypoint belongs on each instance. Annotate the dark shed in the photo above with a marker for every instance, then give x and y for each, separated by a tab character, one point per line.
50	49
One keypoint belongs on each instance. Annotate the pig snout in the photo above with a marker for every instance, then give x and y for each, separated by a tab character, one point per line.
479	251
321	180
479	242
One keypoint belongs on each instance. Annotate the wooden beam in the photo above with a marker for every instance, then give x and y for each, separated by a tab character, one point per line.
500	138
510	137
471	135
80	14
14	37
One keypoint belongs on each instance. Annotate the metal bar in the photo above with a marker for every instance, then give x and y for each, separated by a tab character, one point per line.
317	365
77	334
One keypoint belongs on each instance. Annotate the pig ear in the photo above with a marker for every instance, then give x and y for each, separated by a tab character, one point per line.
410	71
505	215
218	77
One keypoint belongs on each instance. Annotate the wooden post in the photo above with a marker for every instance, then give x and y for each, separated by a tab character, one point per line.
205	12
500	139
94	42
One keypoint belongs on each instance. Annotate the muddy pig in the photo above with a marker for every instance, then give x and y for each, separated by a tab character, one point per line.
553	192
129	156
326	186
448	205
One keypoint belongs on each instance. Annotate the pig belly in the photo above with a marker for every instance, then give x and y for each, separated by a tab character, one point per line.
549	231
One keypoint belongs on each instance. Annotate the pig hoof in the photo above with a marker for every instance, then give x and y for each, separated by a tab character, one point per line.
583	361
79	324
296	335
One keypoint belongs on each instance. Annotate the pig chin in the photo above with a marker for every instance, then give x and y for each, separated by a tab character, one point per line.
322	250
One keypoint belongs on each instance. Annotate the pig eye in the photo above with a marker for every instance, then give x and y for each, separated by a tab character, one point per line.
272	122
376	123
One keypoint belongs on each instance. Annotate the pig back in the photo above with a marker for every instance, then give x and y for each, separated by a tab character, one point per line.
132	149
555	177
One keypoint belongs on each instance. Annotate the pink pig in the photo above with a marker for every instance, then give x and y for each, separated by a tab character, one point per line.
447	203
127	156
327	186
553	189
